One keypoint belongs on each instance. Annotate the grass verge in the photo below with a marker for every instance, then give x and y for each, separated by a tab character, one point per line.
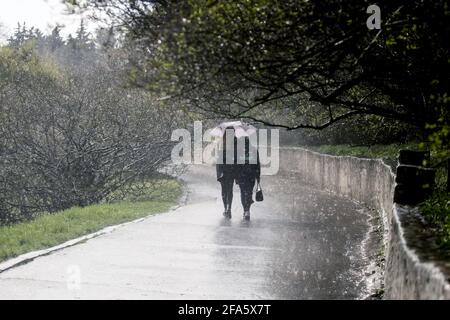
436	210
373	151
49	230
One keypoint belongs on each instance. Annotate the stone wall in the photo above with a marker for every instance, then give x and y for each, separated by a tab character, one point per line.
408	275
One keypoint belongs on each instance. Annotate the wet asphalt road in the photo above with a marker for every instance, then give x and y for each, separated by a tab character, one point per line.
300	244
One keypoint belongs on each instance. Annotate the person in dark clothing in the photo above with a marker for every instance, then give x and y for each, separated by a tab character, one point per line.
227	184
247	173
240	166
226	172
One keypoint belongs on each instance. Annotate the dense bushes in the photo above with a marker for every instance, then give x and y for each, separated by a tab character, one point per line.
70	132
437	211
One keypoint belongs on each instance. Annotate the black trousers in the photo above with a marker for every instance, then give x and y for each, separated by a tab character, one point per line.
246	187
227	191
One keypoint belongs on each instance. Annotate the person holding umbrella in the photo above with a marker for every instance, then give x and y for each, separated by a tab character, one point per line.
240	165
226	169
248	172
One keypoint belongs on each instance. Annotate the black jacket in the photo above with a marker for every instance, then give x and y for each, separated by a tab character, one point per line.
241	172
248	172
227	170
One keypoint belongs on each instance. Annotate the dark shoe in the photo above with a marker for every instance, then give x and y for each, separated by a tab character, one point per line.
227	214
246	215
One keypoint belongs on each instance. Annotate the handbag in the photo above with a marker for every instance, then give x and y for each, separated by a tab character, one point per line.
259	194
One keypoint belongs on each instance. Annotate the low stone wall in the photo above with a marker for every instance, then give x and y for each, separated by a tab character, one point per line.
371	181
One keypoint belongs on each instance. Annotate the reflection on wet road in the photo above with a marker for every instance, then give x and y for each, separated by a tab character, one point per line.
300	244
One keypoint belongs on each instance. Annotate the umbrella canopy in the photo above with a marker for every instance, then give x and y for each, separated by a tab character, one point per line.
241	129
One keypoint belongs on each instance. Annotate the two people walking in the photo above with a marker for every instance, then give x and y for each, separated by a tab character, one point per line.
239	164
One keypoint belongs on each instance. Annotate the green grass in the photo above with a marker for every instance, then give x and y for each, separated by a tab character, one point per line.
52	229
374	151
436	210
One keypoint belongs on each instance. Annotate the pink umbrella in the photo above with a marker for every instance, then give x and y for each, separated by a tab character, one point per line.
241	129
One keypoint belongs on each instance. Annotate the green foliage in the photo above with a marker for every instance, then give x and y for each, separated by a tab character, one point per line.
439	138
441	178
51	229
436	210
18	64
296	64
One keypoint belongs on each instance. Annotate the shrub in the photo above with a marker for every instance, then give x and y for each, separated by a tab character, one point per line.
436	210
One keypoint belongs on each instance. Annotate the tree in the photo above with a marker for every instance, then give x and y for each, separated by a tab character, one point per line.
83	38
106	38
72	136
55	41
295	64
21	35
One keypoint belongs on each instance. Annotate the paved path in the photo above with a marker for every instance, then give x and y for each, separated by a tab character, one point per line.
300	244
